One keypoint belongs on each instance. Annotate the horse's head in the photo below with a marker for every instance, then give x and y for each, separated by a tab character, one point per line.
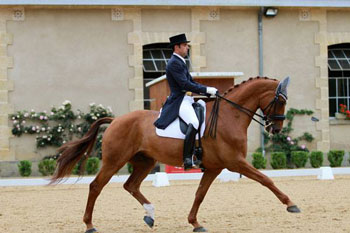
273	107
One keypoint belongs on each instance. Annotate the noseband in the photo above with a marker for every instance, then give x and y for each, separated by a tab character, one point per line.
268	118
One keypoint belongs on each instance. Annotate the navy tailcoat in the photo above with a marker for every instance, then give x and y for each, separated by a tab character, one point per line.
180	81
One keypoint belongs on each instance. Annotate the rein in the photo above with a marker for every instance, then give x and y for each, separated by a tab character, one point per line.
267	118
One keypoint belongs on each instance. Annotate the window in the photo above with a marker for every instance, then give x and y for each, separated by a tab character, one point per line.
339	76
155	59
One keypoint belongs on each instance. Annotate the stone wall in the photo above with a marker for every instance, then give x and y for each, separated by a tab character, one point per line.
48	55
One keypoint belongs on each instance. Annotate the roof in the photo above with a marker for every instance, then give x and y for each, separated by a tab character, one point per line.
252	3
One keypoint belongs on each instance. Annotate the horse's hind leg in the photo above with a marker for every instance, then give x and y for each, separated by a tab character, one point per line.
141	167
251	172
102	178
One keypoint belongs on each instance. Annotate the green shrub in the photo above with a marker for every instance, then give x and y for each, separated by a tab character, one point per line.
299	158
259	149
25	168
76	169
316	159
47	167
130	167
335	157
278	160
258	160
92	165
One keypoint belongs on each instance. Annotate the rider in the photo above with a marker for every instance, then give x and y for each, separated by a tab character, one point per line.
179	103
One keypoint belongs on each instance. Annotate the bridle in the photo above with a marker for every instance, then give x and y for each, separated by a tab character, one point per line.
267	118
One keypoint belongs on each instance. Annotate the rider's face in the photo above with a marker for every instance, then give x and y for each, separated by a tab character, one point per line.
182	49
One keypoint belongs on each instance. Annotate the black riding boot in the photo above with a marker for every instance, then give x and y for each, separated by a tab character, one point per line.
190	140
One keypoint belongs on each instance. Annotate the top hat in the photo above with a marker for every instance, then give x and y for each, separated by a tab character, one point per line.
178	39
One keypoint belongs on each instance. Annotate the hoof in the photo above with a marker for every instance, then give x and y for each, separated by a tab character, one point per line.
149	221
293	209
92	230
200	229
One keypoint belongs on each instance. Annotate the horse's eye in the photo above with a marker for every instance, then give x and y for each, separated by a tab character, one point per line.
282	103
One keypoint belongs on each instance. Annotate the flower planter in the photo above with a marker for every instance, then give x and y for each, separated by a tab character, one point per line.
340	116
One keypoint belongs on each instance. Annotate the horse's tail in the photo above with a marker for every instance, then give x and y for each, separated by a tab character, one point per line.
73	152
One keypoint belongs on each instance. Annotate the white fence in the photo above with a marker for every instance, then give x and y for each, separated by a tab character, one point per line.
224	176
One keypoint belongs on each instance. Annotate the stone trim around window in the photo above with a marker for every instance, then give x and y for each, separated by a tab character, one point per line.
6	85
138	38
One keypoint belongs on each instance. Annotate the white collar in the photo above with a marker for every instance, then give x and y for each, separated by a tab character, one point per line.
180	57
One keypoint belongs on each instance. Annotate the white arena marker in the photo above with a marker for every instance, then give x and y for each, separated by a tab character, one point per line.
160	179
226	176
325	173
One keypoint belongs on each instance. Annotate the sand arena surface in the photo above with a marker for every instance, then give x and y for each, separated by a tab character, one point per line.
243	206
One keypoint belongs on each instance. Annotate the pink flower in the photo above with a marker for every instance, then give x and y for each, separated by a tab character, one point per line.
303	147
288	138
292	143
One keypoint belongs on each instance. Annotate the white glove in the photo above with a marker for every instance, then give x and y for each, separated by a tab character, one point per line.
211	90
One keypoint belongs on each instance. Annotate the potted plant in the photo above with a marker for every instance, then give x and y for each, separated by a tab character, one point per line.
344	113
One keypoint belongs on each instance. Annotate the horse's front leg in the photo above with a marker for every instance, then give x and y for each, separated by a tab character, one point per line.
206	181
251	172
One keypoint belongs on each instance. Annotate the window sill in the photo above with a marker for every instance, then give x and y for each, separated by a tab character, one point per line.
334	121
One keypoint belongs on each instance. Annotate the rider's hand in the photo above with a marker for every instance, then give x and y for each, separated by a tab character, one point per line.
211	90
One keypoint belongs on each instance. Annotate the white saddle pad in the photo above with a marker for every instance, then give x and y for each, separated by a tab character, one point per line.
173	130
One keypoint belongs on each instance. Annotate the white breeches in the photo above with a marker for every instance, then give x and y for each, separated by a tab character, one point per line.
187	112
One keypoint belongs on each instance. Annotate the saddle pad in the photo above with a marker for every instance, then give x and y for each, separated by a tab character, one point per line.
173	130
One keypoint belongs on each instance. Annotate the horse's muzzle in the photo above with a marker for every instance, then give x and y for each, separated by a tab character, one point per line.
272	129
275	130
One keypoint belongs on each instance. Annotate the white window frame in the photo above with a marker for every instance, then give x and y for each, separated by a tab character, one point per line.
342	68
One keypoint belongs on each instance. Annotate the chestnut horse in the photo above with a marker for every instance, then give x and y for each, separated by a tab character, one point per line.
132	138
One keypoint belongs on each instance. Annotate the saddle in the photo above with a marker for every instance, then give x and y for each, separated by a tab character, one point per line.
177	128
199	110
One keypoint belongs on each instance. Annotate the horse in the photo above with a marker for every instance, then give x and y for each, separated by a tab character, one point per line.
132	138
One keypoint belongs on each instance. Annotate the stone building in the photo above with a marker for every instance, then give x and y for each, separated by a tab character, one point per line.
98	51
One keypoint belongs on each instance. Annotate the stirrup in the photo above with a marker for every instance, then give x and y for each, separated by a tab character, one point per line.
193	162
196	163
188	164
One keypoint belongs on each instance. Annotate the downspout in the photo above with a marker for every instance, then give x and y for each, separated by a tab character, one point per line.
261	71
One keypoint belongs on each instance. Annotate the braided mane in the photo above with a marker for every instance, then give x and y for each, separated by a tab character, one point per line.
212	121
245	81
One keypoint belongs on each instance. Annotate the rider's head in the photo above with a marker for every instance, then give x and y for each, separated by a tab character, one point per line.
179	44
181	49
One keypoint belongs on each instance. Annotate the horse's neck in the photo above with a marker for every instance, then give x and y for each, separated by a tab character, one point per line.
248	96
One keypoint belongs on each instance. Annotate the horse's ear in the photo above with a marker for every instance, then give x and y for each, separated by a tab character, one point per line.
283	86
